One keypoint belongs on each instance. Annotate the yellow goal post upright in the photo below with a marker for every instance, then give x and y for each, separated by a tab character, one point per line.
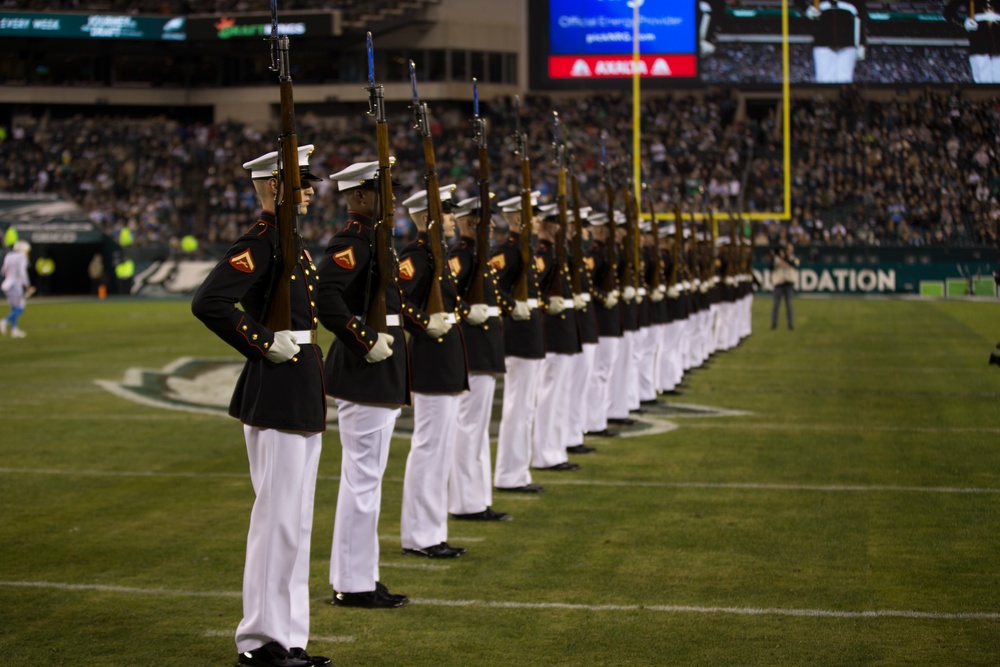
786	115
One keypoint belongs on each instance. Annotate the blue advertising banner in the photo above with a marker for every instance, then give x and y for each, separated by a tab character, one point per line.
604	27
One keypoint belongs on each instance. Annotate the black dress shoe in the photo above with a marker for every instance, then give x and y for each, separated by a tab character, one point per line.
527	488
581	449
625	421
314	660
271	654
384	592
602	434
562	467
443	550
486	515
376	599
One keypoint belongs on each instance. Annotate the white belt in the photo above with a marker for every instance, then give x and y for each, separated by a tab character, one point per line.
450	318
392	320
493	311
304	337
532	303
988	17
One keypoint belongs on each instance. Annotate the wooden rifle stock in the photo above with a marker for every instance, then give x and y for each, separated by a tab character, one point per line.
435	216
477	286
576	274
657	280
678	243
385	212
279	306
609	281
524	247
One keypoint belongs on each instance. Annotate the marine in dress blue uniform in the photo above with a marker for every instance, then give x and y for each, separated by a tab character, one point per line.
470	486
439	373
368	378
279	398
524	350
562	344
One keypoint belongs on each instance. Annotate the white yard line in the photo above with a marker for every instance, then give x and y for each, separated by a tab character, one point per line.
750	486
543	606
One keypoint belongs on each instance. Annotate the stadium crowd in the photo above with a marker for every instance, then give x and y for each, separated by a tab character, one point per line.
902	172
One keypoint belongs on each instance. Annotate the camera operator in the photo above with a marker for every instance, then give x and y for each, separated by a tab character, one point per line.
783	276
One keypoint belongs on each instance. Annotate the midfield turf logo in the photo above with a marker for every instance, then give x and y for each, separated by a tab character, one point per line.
205	386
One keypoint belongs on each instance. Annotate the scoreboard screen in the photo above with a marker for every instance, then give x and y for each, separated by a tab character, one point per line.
577	44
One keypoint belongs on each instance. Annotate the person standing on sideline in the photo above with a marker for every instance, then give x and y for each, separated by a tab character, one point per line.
783	277
367	374
279	398
16	287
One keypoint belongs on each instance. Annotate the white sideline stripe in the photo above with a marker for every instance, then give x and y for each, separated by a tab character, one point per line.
845	427
346	639
142	473
121	589
739	611
554	482
780	487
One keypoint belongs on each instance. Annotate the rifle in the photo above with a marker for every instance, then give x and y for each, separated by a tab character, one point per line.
630	269
476	287
435	218
654	284
279	306
610	278
556	287
678	242
576	274
521	139
384	218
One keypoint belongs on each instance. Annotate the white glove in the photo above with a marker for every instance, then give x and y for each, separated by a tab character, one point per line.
557	304
971	24
579	302
283	347
628	293
707	48
812	12
611	300
656	296
381	350
861	52
438	325
521	312
478	313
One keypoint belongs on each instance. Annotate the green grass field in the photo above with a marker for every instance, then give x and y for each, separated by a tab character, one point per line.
851	517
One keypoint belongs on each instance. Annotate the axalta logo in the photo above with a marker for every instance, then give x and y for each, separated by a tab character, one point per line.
588	67
227	28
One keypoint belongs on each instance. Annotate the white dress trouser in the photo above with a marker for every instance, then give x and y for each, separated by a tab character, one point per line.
599	392
645	364
549	433
424	520
622	379
579	379
283	469
520	389
365	433
469	487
